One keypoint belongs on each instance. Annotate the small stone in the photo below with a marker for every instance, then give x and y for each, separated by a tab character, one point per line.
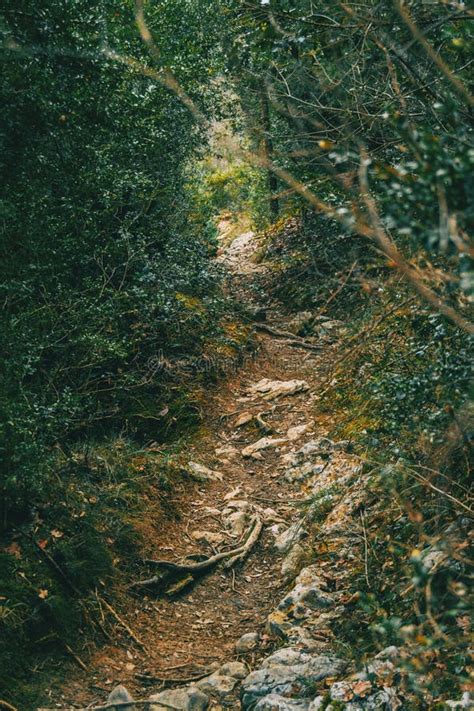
271	389
279	680
307	592
247	642
293	561
190	698
238	670
120	695
201	473
217	684
287	656
289	536
296	432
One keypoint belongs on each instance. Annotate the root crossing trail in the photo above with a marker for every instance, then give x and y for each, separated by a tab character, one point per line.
249	428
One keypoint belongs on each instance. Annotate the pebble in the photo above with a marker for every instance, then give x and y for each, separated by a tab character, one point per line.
238	670
247	642
202	473
189	698
217	684
293	561
289	536
271	389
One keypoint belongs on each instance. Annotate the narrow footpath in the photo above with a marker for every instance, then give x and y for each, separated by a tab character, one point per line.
258	467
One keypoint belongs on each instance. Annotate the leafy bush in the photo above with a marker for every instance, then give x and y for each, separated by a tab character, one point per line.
97	245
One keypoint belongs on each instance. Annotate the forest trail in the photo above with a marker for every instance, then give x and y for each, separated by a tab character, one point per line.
188	635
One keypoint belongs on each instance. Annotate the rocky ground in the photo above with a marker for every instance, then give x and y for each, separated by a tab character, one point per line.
256	630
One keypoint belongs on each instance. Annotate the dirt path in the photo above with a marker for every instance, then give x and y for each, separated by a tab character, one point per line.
184	636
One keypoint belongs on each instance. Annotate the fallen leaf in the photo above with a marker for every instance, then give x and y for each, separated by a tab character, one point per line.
43	593
362	688
464	623
13	549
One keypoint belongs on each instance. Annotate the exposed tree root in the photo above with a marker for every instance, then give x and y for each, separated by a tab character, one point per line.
235	555
253	536
290	338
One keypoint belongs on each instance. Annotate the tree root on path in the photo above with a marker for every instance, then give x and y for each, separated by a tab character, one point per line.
254	534
235	555
152	678
264	426
290	338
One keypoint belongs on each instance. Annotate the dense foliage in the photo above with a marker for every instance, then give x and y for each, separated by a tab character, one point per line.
358	81
98	251
370	124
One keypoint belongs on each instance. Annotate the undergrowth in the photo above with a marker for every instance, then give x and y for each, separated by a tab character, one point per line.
397	389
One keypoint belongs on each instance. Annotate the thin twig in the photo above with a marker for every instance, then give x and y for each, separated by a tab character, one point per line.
122	622
77	659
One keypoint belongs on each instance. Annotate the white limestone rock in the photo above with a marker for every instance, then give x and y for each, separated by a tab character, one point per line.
247	642
189	698
254	450
276	702
272	389
201	473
